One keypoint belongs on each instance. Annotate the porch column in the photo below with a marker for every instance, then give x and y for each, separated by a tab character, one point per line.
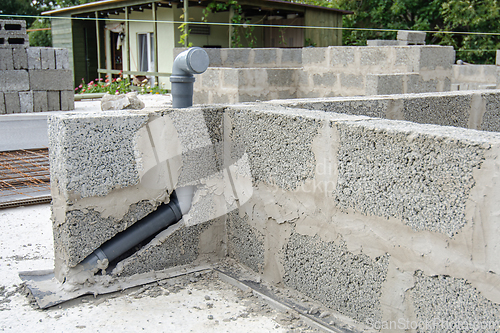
155	41
98	36
127	39
186	20
231	28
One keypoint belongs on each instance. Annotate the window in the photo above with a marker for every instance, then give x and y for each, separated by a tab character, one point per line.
146	52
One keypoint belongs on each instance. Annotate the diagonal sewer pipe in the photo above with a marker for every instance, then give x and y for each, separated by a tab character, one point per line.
189	62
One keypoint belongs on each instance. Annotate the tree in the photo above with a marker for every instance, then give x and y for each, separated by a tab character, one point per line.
441	16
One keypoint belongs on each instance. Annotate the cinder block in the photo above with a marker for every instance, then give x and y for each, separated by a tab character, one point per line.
26	101
291	56
34	58
280	77
340	55
265	56
2	103
371	56
48	58
10	40
40	103
62	58
384	84
53	100
327	79
235	57
432	57
51	79
20	58
12	104
6	62
18	26
412	37
67	100
14	81
384	42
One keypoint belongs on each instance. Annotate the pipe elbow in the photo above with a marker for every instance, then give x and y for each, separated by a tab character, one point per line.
192	61
185	198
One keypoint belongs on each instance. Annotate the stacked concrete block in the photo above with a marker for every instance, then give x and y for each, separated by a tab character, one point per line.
374	218
477	110
33	79
13	34
324	72
411	37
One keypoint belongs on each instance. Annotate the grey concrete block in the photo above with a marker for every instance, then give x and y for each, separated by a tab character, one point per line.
382	42
469	311
497	61
412	37
245	243
230	78
26	101
326	79
14	80
384	84
2	103
48	58
386	169
491	117
314	56
53	100
12	104
20	58
62	58
6	60
34	57
211	78
341	55
416	84
40	103
13	26
434	57
86	144
351	81
265	56
51	79
214	57
360	276
236	57
373	56
76	238
439	110
11	40
281	77
67	100
286	159
291	57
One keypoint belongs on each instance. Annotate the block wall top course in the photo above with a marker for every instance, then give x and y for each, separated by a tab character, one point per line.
14	26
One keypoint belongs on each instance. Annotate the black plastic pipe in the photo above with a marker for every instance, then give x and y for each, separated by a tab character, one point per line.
163	217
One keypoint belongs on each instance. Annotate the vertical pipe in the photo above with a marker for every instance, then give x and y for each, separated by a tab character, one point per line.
98	36
127	38
155	41
231	28
186	20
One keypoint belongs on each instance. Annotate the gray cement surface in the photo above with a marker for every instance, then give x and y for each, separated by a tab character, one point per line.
200	302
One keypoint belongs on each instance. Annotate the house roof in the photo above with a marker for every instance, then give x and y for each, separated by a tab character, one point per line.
111	4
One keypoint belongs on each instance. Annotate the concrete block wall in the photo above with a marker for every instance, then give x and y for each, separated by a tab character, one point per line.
35	79
374	218
478	110
474	77
380	220
323	72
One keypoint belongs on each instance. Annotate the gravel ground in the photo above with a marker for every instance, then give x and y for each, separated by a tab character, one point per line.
198	302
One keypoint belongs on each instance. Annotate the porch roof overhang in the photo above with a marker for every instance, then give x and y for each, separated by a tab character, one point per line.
116	4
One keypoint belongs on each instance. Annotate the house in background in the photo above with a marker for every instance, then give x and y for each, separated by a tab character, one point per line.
138	37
